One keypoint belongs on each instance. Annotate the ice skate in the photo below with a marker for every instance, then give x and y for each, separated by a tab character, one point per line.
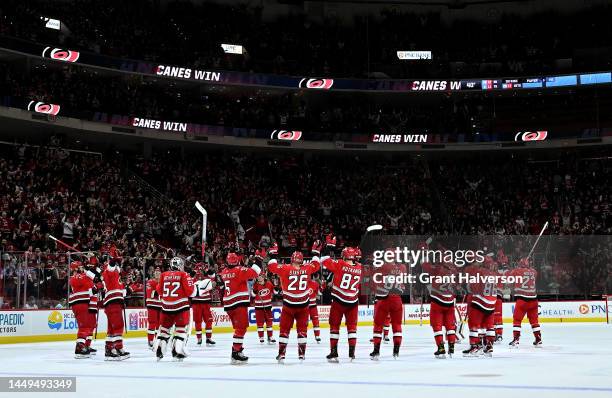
375	354
81	351
332	357
441	352
473	351
238	358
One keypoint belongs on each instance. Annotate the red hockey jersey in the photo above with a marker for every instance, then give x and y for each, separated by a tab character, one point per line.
313	288
152	296
115	291
262	294
384	287
174	289
346	280
81	285
527	288
236	291
483	293
207	296
441	292
294	281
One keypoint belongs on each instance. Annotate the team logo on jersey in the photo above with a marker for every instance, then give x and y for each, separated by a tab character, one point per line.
59	54
264	292
55	320
531	136
44	107
322	84
287	135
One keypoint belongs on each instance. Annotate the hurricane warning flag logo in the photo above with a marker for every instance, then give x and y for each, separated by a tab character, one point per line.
531	136
59	54
43	107
321	84
287	135
55	320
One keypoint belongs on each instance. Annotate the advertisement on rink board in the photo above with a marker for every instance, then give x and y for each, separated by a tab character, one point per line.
60	324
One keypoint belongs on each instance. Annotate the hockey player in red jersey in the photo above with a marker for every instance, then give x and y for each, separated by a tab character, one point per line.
81	285
113	307
481	309
442	308
175	288
388	303
262	293
526	297
153	306
236	301
201	306
313	289
294	282
345	299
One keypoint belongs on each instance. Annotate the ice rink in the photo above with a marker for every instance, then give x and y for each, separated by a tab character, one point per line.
576	360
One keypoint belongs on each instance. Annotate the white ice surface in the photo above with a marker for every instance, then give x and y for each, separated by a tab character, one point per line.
576	360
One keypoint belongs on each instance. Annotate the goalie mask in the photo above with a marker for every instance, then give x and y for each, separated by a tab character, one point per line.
177	264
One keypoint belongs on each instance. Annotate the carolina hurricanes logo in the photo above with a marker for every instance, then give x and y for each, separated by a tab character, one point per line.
287	135
43	107
531	136
60	54
322	84
264	292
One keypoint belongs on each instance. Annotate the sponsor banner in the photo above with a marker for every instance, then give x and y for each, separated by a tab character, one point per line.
414	55
550	311
60	324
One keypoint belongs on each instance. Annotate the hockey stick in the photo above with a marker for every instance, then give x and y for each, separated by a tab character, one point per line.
202	210
371	228
461	319
75	251
538	239
97	315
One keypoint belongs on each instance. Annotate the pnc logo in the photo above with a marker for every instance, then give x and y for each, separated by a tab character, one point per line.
583	309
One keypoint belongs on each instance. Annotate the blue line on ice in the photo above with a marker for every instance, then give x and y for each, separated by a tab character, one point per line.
336	382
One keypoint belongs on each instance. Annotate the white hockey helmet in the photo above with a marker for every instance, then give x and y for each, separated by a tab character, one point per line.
177	263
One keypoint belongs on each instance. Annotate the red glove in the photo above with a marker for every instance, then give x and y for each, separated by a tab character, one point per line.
330	240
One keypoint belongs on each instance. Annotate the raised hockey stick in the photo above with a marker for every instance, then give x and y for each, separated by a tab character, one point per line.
370	229
75	251
538	239
202	210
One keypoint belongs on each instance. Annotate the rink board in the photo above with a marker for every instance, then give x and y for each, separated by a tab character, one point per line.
54	325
